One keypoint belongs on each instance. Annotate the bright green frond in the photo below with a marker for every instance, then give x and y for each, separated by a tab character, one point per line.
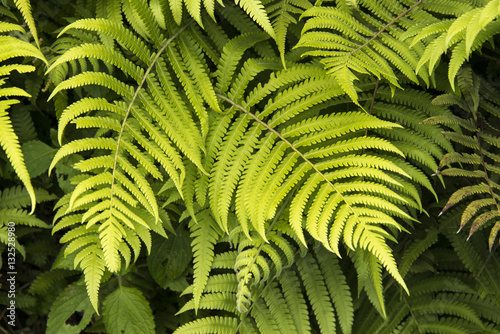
256	11
10	144
317	294
204	236
93	267
24	7
223	325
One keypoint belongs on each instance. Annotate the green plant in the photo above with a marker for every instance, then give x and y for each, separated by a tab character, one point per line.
480	136
12	47
265	167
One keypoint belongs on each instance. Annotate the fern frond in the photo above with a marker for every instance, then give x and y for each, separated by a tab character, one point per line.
256	11
257	262
295	301
338	289
19	197
274	301
350	46
19	217
279	308
10	144
217	300
462	35
141	125
223	325
317	294
415	250
8	27
93	267
24	7
373	242
283	14
204	234
95	78
48	279
116	31
257	157
446	302
231	56
262	315
194	62
480	139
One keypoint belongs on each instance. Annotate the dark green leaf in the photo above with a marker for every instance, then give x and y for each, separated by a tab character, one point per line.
127	311
37	156
71	311
169	257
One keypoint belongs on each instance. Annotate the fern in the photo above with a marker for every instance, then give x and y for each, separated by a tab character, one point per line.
365	45
480	136
12	203
254	134
278	295
376	39
46	280
282	15
442	296
204	236
467	33
254	8
123	187
244	174
293	170
12	47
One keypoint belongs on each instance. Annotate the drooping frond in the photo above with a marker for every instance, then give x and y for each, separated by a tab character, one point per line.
478	162
13	48
24	7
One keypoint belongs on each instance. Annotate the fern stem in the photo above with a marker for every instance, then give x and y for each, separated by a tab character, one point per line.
386	26
372	103
134	97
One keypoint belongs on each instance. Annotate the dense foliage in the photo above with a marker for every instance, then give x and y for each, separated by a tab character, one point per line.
267	166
